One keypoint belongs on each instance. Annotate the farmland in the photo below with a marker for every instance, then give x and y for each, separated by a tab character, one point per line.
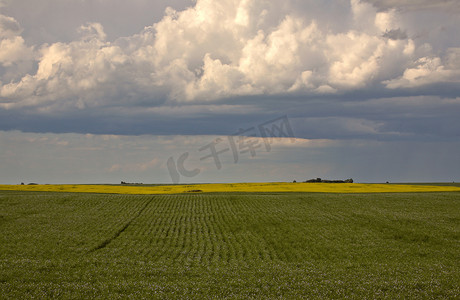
235	245
275	187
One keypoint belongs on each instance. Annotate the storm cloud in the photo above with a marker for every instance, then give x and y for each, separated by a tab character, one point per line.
214	51
377	71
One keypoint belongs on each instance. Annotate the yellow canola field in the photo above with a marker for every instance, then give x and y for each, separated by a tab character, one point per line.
268	187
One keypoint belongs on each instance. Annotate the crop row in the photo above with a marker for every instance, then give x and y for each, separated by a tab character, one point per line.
229	245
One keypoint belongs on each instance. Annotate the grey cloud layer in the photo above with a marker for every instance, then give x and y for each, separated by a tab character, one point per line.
259	58
86	158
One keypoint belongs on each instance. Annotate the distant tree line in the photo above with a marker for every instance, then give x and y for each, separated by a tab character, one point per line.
350	180
132	183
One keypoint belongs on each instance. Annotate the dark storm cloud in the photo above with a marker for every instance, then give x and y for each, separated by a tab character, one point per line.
339	69
110	90
406	118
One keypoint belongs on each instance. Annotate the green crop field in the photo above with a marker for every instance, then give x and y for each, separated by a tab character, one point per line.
229	245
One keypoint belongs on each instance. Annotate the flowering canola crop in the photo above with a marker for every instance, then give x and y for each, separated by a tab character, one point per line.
267	187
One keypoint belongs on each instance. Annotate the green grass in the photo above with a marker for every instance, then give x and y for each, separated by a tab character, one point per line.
286	245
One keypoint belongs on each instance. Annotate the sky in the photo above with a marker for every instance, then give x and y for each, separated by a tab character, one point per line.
103	91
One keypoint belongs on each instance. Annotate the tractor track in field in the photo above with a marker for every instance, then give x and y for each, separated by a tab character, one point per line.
121	230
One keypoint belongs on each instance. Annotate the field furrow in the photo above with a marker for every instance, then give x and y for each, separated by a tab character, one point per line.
246	245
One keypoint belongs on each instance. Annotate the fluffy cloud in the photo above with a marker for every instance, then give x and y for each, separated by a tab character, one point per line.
12	45
9	27
430	70
216	50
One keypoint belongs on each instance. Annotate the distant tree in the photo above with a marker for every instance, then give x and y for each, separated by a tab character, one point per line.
315	180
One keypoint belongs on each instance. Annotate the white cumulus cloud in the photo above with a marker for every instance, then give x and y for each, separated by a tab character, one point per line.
222	49
12	46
